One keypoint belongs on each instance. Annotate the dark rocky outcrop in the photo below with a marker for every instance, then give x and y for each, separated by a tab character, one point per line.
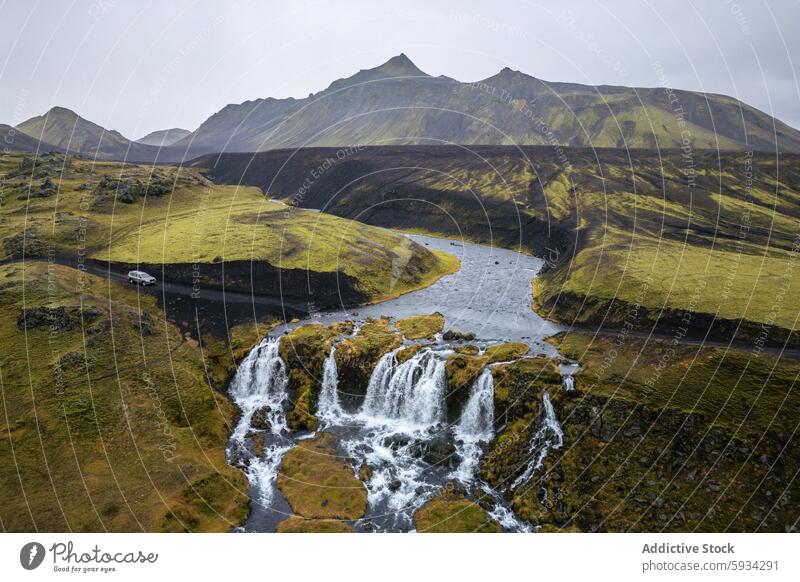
56	319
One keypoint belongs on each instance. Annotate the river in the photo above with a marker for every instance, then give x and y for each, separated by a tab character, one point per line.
402	417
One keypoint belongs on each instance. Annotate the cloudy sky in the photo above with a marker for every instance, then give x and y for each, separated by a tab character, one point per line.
140	66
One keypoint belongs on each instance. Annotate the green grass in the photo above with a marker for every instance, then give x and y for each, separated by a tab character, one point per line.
191	220
111	425
505	352
727	251
736	390
296	524
421	326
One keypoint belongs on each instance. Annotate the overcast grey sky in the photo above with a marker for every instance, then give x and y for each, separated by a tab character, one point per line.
141	66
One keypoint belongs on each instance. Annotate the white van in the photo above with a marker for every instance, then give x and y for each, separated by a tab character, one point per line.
141	278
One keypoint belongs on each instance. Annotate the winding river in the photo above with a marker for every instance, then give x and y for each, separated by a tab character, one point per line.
402	418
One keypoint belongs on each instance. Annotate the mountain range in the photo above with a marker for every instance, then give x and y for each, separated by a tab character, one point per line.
398	104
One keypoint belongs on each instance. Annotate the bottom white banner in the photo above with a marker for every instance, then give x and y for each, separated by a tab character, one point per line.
403	557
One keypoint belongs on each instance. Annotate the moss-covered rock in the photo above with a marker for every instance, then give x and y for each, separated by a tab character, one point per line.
506	352
408	352
296	524
518	386
421	326
301	417
468	350
304	351
461	370
356	358
318	484
451	512
453	335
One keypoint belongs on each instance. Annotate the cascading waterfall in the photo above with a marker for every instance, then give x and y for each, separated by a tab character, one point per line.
568	383
477	419
260	386
412	392
260	382
379	383
400	432
401	414
328	407
548	435
475	426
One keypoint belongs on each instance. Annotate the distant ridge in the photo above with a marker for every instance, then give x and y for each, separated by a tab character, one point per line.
68	131
13	140
164	137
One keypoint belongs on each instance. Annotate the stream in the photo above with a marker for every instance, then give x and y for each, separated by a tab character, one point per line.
400	430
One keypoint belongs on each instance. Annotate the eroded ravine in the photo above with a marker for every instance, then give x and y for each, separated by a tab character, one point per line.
403	431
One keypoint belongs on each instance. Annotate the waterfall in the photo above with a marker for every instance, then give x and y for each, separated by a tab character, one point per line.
412	392
260	385
548	435
328	406
568	383
476	426
400	416
379	383
477	419
261	382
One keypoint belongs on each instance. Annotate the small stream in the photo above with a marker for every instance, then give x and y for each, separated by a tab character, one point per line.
400	429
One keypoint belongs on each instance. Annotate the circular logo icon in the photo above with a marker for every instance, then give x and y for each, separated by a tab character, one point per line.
31	555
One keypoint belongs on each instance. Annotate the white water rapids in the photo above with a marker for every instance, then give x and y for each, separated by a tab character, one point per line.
402	412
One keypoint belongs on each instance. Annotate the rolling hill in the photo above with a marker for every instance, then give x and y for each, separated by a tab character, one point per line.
397	103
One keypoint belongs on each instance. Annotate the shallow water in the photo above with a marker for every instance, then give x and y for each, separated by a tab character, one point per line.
490	296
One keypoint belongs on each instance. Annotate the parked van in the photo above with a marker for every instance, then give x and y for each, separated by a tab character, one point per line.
141	278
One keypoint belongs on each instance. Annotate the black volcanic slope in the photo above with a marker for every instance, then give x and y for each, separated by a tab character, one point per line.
610	222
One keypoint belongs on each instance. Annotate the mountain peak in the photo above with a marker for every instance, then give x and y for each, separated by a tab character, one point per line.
58	111
399	66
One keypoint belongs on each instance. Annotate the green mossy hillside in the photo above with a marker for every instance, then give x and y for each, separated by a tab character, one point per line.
110	422
657	436
167	215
